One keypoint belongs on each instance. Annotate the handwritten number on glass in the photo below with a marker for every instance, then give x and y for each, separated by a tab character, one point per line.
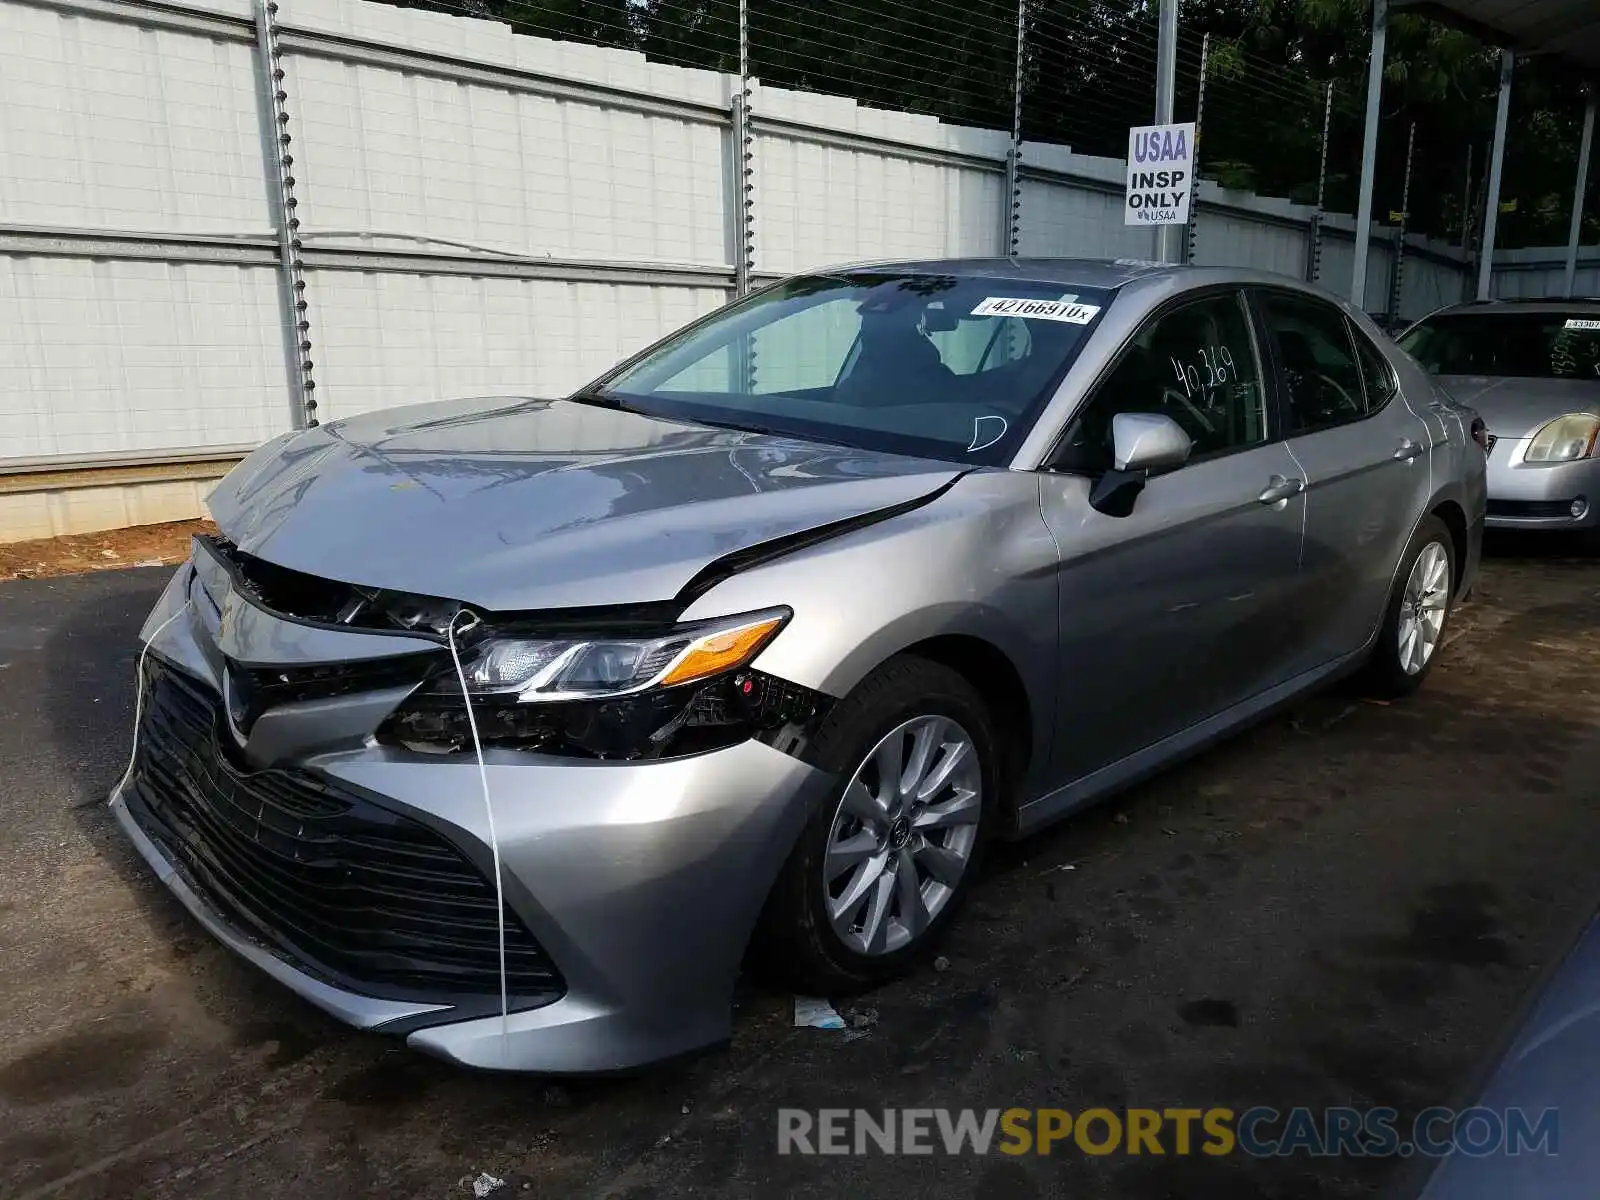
1214	369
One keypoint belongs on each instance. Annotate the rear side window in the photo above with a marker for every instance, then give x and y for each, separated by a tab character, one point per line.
1316	361
1375	371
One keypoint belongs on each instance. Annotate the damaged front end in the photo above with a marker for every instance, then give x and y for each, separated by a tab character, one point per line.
628	683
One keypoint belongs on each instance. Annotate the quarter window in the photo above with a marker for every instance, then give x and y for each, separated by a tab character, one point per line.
1321	378
1195	364
1375	370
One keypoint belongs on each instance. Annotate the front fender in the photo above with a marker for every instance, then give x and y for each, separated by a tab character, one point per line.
978	562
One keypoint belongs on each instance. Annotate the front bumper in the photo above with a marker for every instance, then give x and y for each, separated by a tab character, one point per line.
641	882
1540	495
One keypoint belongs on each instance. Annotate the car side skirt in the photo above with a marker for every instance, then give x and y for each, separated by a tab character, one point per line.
1153	759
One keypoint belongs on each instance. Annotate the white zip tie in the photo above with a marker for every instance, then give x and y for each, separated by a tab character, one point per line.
494	840
138	695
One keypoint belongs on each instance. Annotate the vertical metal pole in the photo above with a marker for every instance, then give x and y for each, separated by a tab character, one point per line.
1497	160
291	269
1314	257
1166	91
1397	275
1585	144
1466	202
1012	233
1369	152
744	255
1475	203
1193	230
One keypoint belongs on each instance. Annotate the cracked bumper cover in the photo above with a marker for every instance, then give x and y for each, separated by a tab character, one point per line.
641	880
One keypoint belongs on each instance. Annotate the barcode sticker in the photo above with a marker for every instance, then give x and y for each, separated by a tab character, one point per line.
1037	310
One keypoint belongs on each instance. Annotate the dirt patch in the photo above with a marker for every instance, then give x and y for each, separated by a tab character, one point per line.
109	550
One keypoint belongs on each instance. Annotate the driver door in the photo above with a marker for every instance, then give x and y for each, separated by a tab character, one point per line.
1181	609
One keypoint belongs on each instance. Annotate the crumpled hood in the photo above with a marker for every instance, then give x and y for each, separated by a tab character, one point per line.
1516	408
538	504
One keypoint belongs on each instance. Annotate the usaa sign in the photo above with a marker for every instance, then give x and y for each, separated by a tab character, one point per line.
1160	174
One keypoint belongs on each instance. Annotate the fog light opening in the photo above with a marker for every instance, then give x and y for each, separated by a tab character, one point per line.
1579	507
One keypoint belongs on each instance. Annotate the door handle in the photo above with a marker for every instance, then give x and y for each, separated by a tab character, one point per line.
1280	488
1408	451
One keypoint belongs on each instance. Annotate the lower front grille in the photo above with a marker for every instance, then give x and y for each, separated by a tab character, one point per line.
1530	509
361	897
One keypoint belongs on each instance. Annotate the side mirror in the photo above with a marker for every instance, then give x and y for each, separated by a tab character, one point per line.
1148	442
1141	443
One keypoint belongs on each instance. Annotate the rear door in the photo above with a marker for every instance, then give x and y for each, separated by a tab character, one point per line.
1176	612
1365	457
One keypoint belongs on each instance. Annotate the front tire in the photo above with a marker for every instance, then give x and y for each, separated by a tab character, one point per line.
883	866
1418	613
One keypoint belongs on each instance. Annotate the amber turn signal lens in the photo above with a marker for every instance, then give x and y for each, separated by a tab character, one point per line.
722	651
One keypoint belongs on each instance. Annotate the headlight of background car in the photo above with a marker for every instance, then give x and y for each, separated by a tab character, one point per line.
1565	439
607	696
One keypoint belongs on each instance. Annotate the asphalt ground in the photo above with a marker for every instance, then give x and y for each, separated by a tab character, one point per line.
1345	905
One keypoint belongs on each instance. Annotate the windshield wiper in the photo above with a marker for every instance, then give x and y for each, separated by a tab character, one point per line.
600	400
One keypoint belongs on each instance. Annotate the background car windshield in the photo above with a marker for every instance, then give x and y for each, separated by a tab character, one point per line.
1546	345
941	366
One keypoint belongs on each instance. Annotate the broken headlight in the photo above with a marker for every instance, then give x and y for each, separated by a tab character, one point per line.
680	691
544	670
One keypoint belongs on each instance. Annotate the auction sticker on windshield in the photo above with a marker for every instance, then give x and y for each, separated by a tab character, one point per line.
1582	323
1038	310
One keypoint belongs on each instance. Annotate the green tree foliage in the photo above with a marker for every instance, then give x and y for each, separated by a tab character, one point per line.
1088	73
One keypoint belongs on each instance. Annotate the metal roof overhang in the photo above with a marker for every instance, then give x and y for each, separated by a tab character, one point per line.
1565	29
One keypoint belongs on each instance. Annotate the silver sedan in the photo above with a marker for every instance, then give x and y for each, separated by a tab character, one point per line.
509	726
1531	369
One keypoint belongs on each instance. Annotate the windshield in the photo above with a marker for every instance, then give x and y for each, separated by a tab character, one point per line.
938	366
1543	345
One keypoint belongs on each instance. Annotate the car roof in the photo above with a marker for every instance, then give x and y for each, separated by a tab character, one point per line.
1105	273
1536	305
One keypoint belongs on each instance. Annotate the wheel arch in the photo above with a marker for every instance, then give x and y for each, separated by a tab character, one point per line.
997	680
1455	520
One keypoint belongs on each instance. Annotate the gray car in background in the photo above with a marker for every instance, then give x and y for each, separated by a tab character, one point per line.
510	725
1531	369
1543	1077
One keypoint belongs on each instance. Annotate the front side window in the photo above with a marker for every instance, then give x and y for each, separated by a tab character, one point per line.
1316	358
1517	345
941	366
1195	364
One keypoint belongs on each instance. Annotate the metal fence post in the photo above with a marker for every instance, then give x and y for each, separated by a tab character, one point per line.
1397	274
1192	234
1585	144
1314	252
1012	234
744	229
1166	91
291	269
1474	242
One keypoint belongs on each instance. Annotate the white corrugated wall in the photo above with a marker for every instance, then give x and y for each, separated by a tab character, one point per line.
511	217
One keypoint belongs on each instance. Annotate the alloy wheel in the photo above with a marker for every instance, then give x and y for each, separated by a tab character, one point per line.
1422	607
903	835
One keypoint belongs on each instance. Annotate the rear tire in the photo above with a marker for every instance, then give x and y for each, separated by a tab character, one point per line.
1418	613
906	863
